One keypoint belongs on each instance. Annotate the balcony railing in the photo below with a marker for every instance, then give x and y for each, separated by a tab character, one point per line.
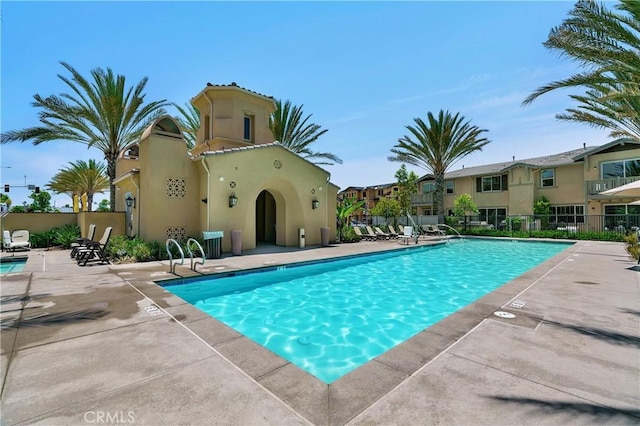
595	187
422	199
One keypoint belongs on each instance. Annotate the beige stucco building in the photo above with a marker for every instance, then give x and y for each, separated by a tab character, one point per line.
235	178
572	182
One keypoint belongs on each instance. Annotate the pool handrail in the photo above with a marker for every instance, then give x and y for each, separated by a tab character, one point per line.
172	267
194	265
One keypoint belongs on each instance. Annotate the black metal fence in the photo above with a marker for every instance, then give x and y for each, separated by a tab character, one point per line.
606	225
611	227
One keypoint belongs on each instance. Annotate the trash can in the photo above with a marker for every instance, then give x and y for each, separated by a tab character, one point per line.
301	237
213	243
236	242
324	236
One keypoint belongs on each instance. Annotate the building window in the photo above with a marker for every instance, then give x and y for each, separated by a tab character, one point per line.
493	216
491	183
567	214
207	127
448	187
248	128
619	216
428	187
622	168
548	178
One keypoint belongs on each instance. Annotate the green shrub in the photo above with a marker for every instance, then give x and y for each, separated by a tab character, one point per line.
141	252
65	235
350	235
633	245
42	239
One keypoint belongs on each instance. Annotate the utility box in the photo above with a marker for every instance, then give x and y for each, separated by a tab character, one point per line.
213	243
301	237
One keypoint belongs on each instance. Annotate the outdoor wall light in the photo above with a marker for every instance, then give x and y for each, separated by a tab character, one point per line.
131	202
233	200
315	203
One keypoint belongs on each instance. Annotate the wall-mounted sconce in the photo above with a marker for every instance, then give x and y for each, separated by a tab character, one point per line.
233	200
204	200
131	202
315	203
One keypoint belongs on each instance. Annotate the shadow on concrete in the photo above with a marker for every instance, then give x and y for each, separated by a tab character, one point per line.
605	335
12	298
599	414
630	311
45	319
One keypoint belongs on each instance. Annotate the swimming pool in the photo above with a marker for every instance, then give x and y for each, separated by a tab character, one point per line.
330	317
8	265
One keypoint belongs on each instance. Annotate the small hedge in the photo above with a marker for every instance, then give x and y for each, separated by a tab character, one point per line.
594	236
60	236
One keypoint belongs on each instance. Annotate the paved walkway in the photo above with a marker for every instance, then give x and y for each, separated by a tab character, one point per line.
104	345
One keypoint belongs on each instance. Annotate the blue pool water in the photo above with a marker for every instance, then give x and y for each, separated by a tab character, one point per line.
330	317
8	265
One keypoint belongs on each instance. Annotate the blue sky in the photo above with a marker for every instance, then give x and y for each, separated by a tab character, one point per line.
364	70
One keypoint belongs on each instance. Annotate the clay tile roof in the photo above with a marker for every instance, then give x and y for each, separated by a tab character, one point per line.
234	84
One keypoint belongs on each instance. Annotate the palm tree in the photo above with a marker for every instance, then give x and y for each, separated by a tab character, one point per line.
189	121
606	44
292	131
80	178
437	145
101	113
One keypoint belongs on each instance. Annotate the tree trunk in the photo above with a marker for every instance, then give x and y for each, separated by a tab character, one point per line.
439	196
111	172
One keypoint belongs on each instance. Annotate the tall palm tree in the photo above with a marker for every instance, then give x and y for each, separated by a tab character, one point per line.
292	130
189	121
606	44
79	178
100	113
436	145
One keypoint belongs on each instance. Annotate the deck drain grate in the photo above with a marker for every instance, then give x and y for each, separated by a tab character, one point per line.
503	314
518	304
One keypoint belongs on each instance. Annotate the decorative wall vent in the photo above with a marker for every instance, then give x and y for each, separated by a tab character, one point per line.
179	234
176	188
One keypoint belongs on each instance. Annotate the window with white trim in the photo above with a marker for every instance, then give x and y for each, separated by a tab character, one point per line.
567	214
448	187
547	178
492	216
491	183
428	187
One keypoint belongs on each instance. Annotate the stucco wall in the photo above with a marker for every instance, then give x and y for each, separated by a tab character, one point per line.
230	104
163	158
42	222
37	222
592	164
569	185
291	185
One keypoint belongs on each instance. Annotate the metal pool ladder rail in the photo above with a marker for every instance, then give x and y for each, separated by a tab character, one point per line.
196	263
172	267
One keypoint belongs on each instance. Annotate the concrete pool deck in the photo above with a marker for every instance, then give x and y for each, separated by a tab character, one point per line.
105	344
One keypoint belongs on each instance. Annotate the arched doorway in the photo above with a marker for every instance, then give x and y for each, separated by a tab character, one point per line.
265	218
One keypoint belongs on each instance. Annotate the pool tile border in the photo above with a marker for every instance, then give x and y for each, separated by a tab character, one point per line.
344	399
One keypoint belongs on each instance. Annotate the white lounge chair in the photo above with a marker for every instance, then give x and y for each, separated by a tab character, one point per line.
408	235
19	240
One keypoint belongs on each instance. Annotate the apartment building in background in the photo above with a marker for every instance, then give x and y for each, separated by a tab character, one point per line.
572	182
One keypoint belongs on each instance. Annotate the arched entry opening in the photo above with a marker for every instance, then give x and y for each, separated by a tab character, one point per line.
265	218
